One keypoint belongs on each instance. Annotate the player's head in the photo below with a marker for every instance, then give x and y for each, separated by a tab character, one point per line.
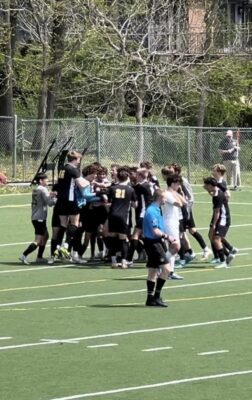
102	173
113	171
176	167
41	179
159	197
173	181
146	164
218	170
165	171
73	157
210	184
142	174
123	174
90	172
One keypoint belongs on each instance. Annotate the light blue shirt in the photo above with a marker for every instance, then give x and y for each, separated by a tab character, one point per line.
152	219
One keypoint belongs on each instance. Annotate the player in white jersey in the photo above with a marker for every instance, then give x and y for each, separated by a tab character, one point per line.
171	214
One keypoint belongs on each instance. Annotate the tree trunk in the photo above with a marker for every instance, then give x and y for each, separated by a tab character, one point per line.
200	124
139	120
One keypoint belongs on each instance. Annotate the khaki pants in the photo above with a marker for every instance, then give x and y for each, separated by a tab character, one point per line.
233	172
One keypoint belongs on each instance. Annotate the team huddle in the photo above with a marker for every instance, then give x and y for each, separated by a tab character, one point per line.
92	209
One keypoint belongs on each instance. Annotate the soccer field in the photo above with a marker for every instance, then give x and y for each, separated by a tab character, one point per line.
81	332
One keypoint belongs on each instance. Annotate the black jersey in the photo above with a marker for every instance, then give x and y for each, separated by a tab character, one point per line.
220	202
144	198
67	182
120	196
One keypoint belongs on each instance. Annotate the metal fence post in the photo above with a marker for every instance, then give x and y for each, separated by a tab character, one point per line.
98	139
14	149
188	155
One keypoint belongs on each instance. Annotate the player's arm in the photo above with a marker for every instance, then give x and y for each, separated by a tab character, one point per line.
47	198
216	216
81	182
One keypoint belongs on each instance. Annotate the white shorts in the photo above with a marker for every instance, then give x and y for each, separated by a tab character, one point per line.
173	230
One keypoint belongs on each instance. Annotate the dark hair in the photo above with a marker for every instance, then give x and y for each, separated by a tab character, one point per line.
173	178
210	181
90	169
177	168
146	164
122	174
73	155
39	176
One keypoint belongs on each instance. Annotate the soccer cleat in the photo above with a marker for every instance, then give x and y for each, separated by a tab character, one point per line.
24	260
160	303
41	260
176	276
207	252
124	264
230	258
214	261
151	302
221	265
234	250
189	258
64	253
51	260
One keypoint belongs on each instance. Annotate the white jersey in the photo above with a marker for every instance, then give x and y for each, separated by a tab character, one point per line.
171	215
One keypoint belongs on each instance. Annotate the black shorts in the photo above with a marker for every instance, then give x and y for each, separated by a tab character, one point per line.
190	223
40	227
92	218
117	224
156	253
68	208
221	230
139	223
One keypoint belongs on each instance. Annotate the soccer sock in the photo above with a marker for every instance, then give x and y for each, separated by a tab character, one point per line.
132	248
92	244
215	251
150	287
140	246
70	234
221	255
100	243
226	251
54	243
171	258
182	253
41	250
227	244
30	249
124	248
159	285
189	251
199	239
60	235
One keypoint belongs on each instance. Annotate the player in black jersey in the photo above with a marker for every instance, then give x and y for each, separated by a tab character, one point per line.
220	221
121	198
151	177
70	177
144	199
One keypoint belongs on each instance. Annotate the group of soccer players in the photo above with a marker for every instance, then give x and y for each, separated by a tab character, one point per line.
93	208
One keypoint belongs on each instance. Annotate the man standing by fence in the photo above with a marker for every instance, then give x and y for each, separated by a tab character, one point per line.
229	149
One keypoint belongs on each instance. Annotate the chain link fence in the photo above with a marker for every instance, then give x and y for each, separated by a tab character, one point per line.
24	145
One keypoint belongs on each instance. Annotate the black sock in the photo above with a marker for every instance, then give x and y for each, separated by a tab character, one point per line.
132	248
150	287
221	255
124	248
54	243
199	239
140	246
92	244
215	252
159	285
41	250
100	243
60	235
189	251
226	251
30	249
227	244
70	235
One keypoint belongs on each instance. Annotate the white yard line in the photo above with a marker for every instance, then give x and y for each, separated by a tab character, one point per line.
154	385
95	346
16	206
5	338
158	349
127	333
210	353
94	295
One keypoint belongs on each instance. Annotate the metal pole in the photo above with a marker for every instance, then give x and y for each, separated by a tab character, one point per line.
188	155
98	139
14	149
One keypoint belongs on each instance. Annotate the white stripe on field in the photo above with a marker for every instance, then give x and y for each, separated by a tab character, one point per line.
209	353
5	338
127	333
95	346
158	349
154	385
93	295
16	206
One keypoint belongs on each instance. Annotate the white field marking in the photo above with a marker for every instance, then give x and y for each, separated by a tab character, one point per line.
154	385
93	295
54	341
230	203
52	285
209	353
129	304
95	346
233	226
5	338
158	349
16	206
15	194
10	271
135	332
13	244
